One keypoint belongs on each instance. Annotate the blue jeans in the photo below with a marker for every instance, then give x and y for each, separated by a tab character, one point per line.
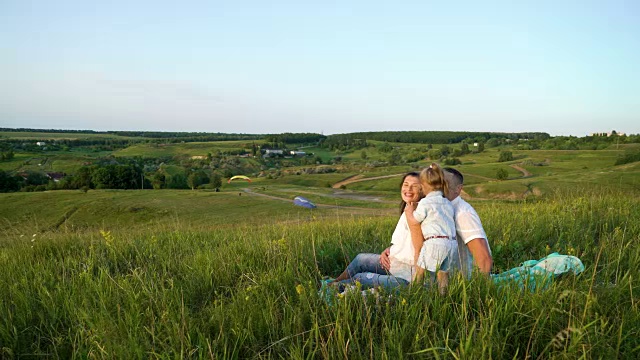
366	269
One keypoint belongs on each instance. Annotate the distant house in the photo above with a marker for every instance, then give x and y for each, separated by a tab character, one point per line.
475	144
273	152
608	134
298	153
55	176
41	143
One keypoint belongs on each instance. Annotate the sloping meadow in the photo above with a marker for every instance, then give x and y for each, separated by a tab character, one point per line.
251	292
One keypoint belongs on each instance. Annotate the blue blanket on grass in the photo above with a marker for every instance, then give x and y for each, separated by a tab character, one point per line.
537	274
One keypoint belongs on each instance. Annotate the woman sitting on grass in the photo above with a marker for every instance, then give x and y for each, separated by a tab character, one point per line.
369	269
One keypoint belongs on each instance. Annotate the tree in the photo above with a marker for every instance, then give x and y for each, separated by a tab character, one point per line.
505	156
364	155
36	178
395	157
464	148
158	180
216	181
196	179
502	174
493	142
435	154
82	178
177	181
8	183
385	147
445	150
6	155
451	161
480	147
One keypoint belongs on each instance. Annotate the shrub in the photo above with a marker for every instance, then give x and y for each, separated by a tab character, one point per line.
452	161
502	174
505	156
628	157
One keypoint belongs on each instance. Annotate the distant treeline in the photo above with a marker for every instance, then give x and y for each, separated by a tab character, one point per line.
56	131
172	137
359	139
337	141
436	137
187	136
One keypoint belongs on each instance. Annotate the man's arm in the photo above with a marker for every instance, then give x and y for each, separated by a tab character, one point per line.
481	255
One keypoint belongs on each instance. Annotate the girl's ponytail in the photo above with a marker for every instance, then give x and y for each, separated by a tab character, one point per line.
434	176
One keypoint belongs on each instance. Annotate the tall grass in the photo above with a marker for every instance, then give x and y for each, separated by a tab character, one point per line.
250	291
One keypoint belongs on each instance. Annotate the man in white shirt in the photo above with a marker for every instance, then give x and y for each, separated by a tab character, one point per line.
468	227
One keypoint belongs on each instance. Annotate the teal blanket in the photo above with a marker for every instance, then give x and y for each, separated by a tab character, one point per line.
537	274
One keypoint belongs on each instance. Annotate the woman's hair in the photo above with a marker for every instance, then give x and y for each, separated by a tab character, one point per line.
434	177
409	174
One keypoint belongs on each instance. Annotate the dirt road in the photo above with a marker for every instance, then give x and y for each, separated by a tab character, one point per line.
524	171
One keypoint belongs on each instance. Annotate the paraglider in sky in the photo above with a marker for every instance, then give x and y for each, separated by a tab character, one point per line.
300	201
239	177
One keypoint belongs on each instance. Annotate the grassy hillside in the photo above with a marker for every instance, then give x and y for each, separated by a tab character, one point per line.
68	211
185	149
234	274
245	285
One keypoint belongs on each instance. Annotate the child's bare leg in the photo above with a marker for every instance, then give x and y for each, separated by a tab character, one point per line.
443	281
418	275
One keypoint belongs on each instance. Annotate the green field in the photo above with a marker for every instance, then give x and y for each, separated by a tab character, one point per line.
117	210
185	149
167	274
234	274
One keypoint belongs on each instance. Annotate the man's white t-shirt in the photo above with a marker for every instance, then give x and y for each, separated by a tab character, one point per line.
468	227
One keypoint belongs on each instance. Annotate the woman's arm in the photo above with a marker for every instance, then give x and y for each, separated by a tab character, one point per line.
417	239
384	259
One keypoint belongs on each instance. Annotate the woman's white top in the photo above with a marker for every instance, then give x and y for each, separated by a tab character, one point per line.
401	244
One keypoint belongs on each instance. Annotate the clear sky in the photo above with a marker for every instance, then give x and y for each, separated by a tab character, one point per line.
562	67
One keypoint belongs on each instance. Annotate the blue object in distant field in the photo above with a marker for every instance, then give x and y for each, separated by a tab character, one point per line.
300	201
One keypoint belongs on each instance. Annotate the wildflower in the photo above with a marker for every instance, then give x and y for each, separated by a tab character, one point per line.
108	238
299	289
34	235
404	301
22	235
246	298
